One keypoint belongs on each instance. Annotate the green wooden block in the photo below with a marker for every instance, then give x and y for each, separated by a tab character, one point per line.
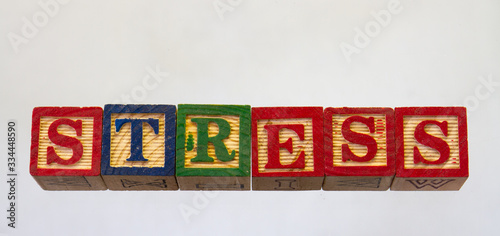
213	147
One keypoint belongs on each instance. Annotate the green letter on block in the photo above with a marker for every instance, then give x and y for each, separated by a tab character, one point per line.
203	140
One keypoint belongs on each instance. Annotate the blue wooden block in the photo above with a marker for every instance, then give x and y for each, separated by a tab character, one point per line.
138	147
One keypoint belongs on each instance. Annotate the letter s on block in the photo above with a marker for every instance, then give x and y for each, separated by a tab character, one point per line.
434	142
359	138
65	141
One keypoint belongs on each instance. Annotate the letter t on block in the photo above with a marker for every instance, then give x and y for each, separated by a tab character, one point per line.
431	148
213	147
359	148
138	147
66	148
287	148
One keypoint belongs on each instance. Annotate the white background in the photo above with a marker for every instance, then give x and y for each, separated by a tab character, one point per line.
261	53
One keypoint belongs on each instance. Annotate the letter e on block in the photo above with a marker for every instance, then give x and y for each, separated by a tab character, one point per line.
66	148
287	148
213	147
138	147
431	148
359	148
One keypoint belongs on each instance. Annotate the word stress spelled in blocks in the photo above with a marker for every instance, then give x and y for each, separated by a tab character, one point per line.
66	148
431	148
359	148
287	148
213	147
138	151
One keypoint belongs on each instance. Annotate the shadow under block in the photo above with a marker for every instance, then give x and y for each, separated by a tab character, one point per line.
287	148
66	148
213	147
138	150
359	149
431	148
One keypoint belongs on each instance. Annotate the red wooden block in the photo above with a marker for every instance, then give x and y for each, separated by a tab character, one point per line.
287	148
431	148
66	148
359	148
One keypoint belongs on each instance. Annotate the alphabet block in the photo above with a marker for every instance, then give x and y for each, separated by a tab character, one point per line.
66	148
213	147
431	148
287	148
138	150
359	148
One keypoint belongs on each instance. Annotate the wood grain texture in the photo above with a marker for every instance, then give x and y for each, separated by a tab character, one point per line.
287	147
66	148
139	143
153	145
410	123
432	149
380	136
354	129
86	139
286	158
213	141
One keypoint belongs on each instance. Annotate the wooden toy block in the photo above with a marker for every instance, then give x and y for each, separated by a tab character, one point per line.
66	148
431	147
138	150
213	147
287	148
359	148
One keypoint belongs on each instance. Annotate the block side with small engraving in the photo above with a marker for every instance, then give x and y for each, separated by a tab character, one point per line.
140	182
226	183
428	184
285	183
357	183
